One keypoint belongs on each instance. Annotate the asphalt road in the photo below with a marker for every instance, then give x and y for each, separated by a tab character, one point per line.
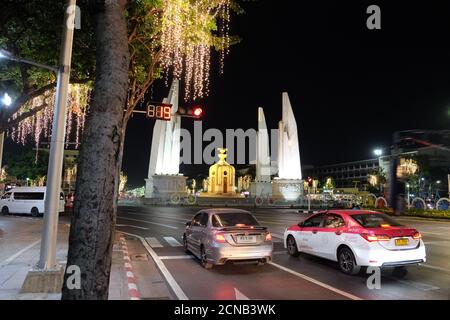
306	277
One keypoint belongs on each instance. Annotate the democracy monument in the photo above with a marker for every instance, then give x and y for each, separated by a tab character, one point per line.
280	179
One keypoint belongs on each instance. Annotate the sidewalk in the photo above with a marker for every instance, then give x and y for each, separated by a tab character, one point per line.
20	248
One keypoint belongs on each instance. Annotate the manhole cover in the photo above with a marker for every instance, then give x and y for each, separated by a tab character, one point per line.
139	257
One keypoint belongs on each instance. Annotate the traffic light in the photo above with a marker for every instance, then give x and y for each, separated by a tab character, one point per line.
195	112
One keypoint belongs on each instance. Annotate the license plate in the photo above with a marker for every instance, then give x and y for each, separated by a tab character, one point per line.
401	242
246	239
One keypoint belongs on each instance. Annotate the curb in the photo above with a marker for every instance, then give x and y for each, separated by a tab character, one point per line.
132	288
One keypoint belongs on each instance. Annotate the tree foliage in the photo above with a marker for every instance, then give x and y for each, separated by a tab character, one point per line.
32	30
26	164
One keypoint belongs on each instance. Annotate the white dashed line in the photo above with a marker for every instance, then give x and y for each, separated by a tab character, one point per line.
172	241
153	242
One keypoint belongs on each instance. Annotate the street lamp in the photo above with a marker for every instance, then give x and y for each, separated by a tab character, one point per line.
9	56
378	152
6	100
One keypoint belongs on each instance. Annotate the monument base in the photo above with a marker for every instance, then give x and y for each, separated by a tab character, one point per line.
261	189
43	281
165	186
287	189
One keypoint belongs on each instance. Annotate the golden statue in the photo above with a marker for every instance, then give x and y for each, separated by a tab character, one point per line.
222	176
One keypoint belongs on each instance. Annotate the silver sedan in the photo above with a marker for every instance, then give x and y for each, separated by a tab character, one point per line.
217	236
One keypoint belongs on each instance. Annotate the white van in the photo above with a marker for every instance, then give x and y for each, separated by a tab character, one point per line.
29	200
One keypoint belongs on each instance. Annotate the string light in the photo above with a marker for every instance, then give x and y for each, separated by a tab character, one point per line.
38	126
186	41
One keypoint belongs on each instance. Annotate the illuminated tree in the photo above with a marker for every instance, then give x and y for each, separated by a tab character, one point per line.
32	29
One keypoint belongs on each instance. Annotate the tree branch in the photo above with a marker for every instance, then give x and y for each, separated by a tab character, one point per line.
25	115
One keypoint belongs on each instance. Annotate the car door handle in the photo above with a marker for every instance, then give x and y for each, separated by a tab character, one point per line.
314	231
338	232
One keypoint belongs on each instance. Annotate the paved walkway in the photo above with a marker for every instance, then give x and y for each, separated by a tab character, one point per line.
19	252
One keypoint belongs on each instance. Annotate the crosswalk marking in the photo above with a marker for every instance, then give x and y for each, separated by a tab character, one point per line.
277	238
153	242
172	241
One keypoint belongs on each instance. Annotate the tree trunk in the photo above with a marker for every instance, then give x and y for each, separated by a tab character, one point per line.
93	222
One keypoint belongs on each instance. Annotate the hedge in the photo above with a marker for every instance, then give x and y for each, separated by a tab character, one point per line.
413	212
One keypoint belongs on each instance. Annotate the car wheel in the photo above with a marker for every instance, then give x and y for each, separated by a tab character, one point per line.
185	244
34	212
5	211
204	260
400	272
347	262
292	246
261	262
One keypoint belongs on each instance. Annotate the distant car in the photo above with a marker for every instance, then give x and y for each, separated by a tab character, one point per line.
356	238
217	236
28	200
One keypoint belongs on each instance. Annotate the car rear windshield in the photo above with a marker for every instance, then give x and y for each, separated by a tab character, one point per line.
232	219
375	220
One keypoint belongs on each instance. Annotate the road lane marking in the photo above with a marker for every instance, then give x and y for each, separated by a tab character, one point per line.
441	243
153	242
276	237
172	241
434	267
145	221
317	282
418	285
131	226
18	253
269	222
166	273
239	295
160	217
429	232
176	257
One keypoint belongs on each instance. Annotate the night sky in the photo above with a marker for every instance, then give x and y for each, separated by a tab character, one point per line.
350	87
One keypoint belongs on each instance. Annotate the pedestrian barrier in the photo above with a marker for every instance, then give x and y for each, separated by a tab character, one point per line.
381	202
443	204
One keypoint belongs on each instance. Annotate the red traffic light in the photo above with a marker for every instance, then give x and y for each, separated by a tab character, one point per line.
197	111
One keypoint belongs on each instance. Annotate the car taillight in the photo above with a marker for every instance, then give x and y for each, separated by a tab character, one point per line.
268	237
219	237
375	237
417	236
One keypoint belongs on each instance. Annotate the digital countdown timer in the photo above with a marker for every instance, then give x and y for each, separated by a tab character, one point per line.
159	112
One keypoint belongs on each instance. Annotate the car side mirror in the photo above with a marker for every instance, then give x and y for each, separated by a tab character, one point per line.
188	224
300	224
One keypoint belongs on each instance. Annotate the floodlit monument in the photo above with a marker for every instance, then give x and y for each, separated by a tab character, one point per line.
288	185
164	178
262	185
221	181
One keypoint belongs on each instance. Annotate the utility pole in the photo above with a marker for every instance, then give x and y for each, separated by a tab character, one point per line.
49	236
48	275
2	141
